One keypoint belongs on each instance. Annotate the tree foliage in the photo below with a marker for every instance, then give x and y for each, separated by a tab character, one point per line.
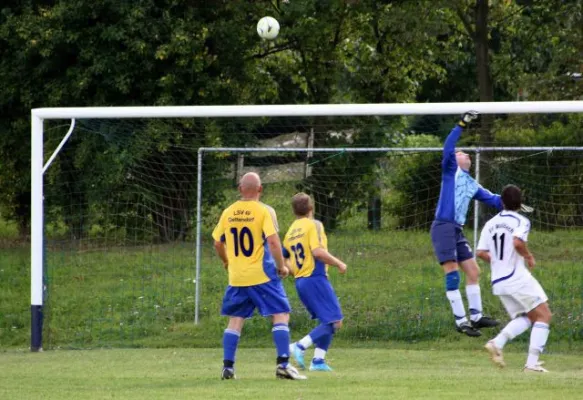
183	52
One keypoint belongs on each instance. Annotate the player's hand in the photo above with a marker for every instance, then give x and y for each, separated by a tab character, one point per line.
468	117
530	261
342	268
526	209
226	265
283	272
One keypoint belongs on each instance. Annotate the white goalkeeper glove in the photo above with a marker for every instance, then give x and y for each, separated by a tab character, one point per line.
468	117
526	209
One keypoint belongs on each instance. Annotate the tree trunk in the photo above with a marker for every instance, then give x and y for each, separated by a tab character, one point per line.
486	92
485	84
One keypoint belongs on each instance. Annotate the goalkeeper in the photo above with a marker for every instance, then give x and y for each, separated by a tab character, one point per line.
452	249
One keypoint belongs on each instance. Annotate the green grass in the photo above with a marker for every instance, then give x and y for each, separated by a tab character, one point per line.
359	374
144	296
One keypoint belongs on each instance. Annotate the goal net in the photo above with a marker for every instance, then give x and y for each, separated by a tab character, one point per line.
129	204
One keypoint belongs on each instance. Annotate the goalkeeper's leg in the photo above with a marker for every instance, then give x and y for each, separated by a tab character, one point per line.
467	262
444	240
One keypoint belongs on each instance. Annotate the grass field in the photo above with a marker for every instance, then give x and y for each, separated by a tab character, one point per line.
360	374
143	296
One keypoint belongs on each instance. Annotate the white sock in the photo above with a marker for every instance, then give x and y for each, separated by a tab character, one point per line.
514	328
319	353
457	306
474	301
306	342
538	339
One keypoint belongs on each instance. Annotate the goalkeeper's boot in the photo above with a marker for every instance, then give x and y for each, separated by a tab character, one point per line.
298	355
534	369
288	371
495	354
228	373
485	322
468	329
318	364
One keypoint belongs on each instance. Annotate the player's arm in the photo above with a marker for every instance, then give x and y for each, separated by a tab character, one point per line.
275	248
482	251
286	257
219	237
519	241
323	255
221	251
522	249
270	229
489	198
484	255
453	137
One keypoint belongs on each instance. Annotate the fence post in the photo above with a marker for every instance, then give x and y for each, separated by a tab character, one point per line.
198	236
309	154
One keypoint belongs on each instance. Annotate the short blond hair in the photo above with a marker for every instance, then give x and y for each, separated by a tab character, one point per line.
302	204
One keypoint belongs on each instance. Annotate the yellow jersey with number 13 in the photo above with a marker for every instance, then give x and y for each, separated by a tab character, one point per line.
243	227
302	237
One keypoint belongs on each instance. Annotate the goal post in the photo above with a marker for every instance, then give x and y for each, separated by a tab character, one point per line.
38	168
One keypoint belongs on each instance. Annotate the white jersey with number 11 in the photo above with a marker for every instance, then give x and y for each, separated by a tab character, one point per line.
497	237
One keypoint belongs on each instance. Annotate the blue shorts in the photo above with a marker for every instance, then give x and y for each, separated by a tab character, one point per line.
319	297
269	298
449	242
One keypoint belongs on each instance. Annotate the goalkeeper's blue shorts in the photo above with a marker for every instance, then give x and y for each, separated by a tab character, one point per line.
268	298
449	242
319	297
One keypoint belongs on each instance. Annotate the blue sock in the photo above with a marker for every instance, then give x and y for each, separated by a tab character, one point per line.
452	284
452	280
324	342
321	331
281	339
230	342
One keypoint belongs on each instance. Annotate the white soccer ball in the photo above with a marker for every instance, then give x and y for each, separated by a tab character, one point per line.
268	28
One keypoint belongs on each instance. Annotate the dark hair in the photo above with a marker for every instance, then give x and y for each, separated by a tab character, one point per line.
301	204
511	197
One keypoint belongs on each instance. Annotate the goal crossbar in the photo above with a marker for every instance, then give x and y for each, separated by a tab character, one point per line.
307	110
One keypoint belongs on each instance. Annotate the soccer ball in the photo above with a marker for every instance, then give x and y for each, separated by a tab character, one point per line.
268	28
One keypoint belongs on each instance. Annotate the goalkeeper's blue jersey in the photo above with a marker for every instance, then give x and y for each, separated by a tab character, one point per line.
458	187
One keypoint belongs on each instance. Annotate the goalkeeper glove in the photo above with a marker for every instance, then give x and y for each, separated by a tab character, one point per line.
526	209
468	117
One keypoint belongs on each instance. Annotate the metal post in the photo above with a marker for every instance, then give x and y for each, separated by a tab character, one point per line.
310	154
239	168
198	236
36	234
477	203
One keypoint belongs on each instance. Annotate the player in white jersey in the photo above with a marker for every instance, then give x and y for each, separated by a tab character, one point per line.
503	244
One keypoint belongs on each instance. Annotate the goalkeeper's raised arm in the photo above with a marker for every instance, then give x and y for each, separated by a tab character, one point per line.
451	247
458	187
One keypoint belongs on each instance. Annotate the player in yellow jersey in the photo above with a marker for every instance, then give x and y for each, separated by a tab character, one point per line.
305	248
247	242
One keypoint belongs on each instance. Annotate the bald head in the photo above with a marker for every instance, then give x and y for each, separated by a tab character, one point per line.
250	186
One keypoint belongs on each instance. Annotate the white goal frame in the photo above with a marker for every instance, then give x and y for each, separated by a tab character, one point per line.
38	166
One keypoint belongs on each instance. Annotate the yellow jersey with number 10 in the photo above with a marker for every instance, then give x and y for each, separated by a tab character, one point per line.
243	227
302	237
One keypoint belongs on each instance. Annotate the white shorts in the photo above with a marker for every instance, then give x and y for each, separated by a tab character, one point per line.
523	298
